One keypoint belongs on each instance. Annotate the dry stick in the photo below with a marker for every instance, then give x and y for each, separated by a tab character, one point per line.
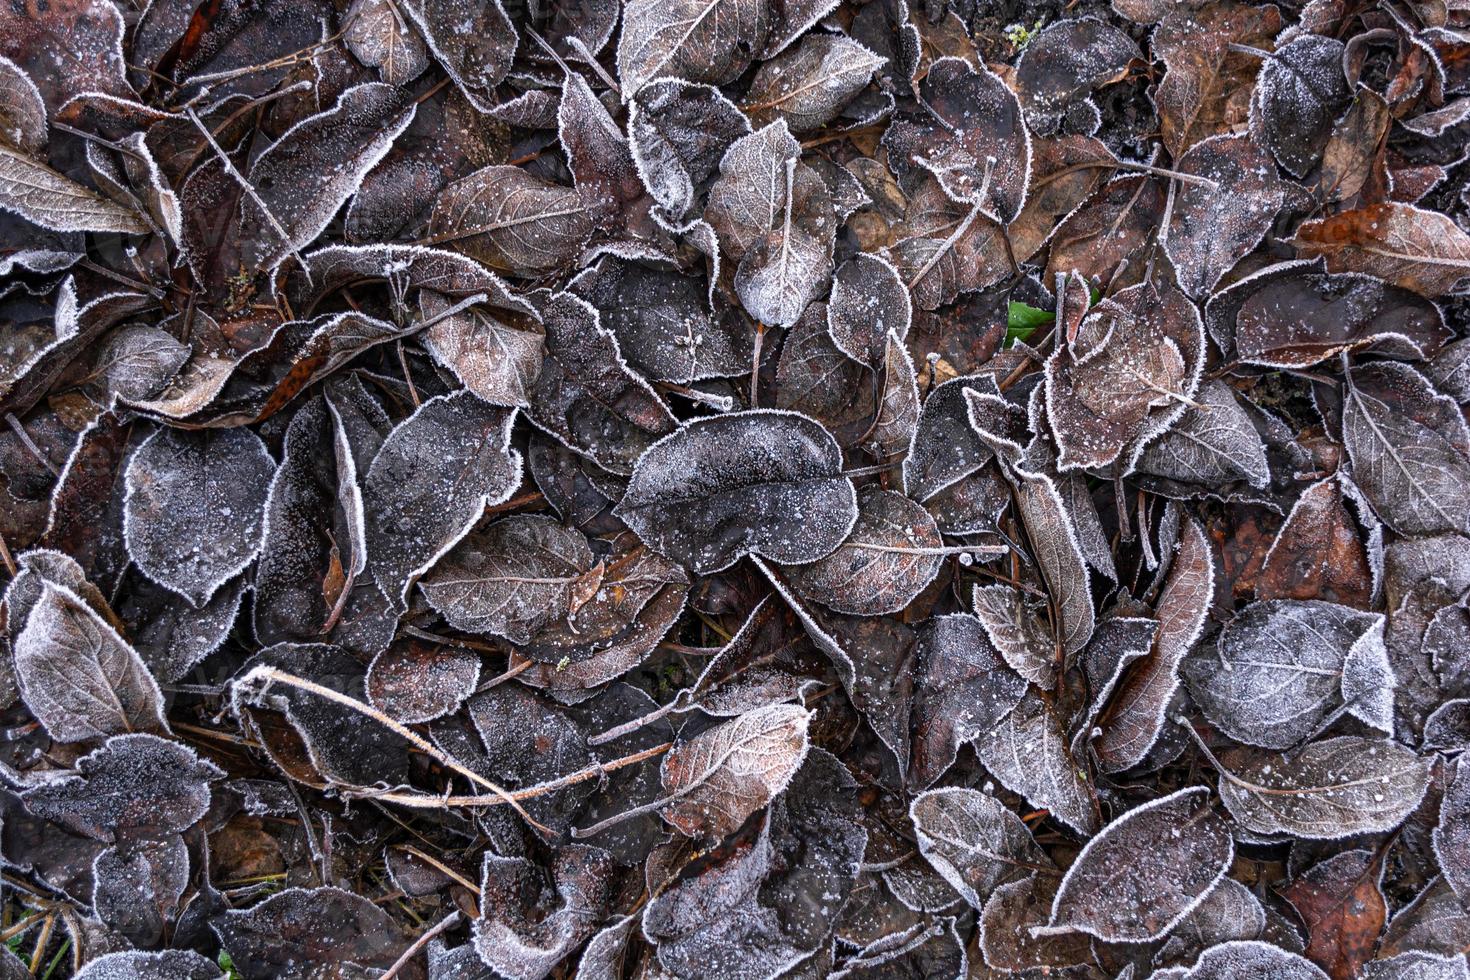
5	556
270	675
430	801
42	941
420	943
509	674
25	439
249	190
439	866
591	60
1142	168
755	363
22	926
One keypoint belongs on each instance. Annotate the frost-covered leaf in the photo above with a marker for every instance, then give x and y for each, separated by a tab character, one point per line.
474	41
678	132
1251	958
869	300
171	964
417	682
78	676
972	138
512	221
758	482
1451	836
662	324
1213	227
1207	85
1146	870
1028	754
510	578
429	483
962	689
1295	315
494	353
303	178
1327	790
1343	907
587	397
892	554
195	503
1401	244
696	40
1017	632
1279	669
974	841
299	931
1409	448
136	890
721	776
1300	92
39	194
134	788
526	924
382	38
1125	377
808	85
1211	445
23	115
1229	912
137	361
1062	65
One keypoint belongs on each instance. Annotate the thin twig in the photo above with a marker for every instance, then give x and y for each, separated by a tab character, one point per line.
420	943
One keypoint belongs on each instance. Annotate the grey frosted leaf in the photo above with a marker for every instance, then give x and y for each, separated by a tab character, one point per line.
136	891
1016	632
170	964
473	40
315	530
1215	227
758	482
379	37
1058	555
1451	836
1409	448
678	132
1230	911
898	413
605	952
1294	314
587	397
1011	913
808	85
892	554
46	198
134	788
1061	66
1027	753
721	776
301	931
696	40
528	924
1147	870
194	507
1433	922
513	221
948	248
661	322
962	689
788	267
493	353
509	579
1252	960
815	378
973	841
22	110
78	676
1211	445
945	449
430	482
137	361
1279	669
869	300
1136	713
749	197
1416	966
1300	92
1125	376
171	636
306	176
1449	371
1327	790
418	682
1368	681
973	118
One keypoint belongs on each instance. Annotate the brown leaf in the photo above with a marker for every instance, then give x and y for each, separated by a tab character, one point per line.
1420	250
1344	909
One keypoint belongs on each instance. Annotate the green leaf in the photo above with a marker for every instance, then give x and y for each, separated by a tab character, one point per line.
1022	321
